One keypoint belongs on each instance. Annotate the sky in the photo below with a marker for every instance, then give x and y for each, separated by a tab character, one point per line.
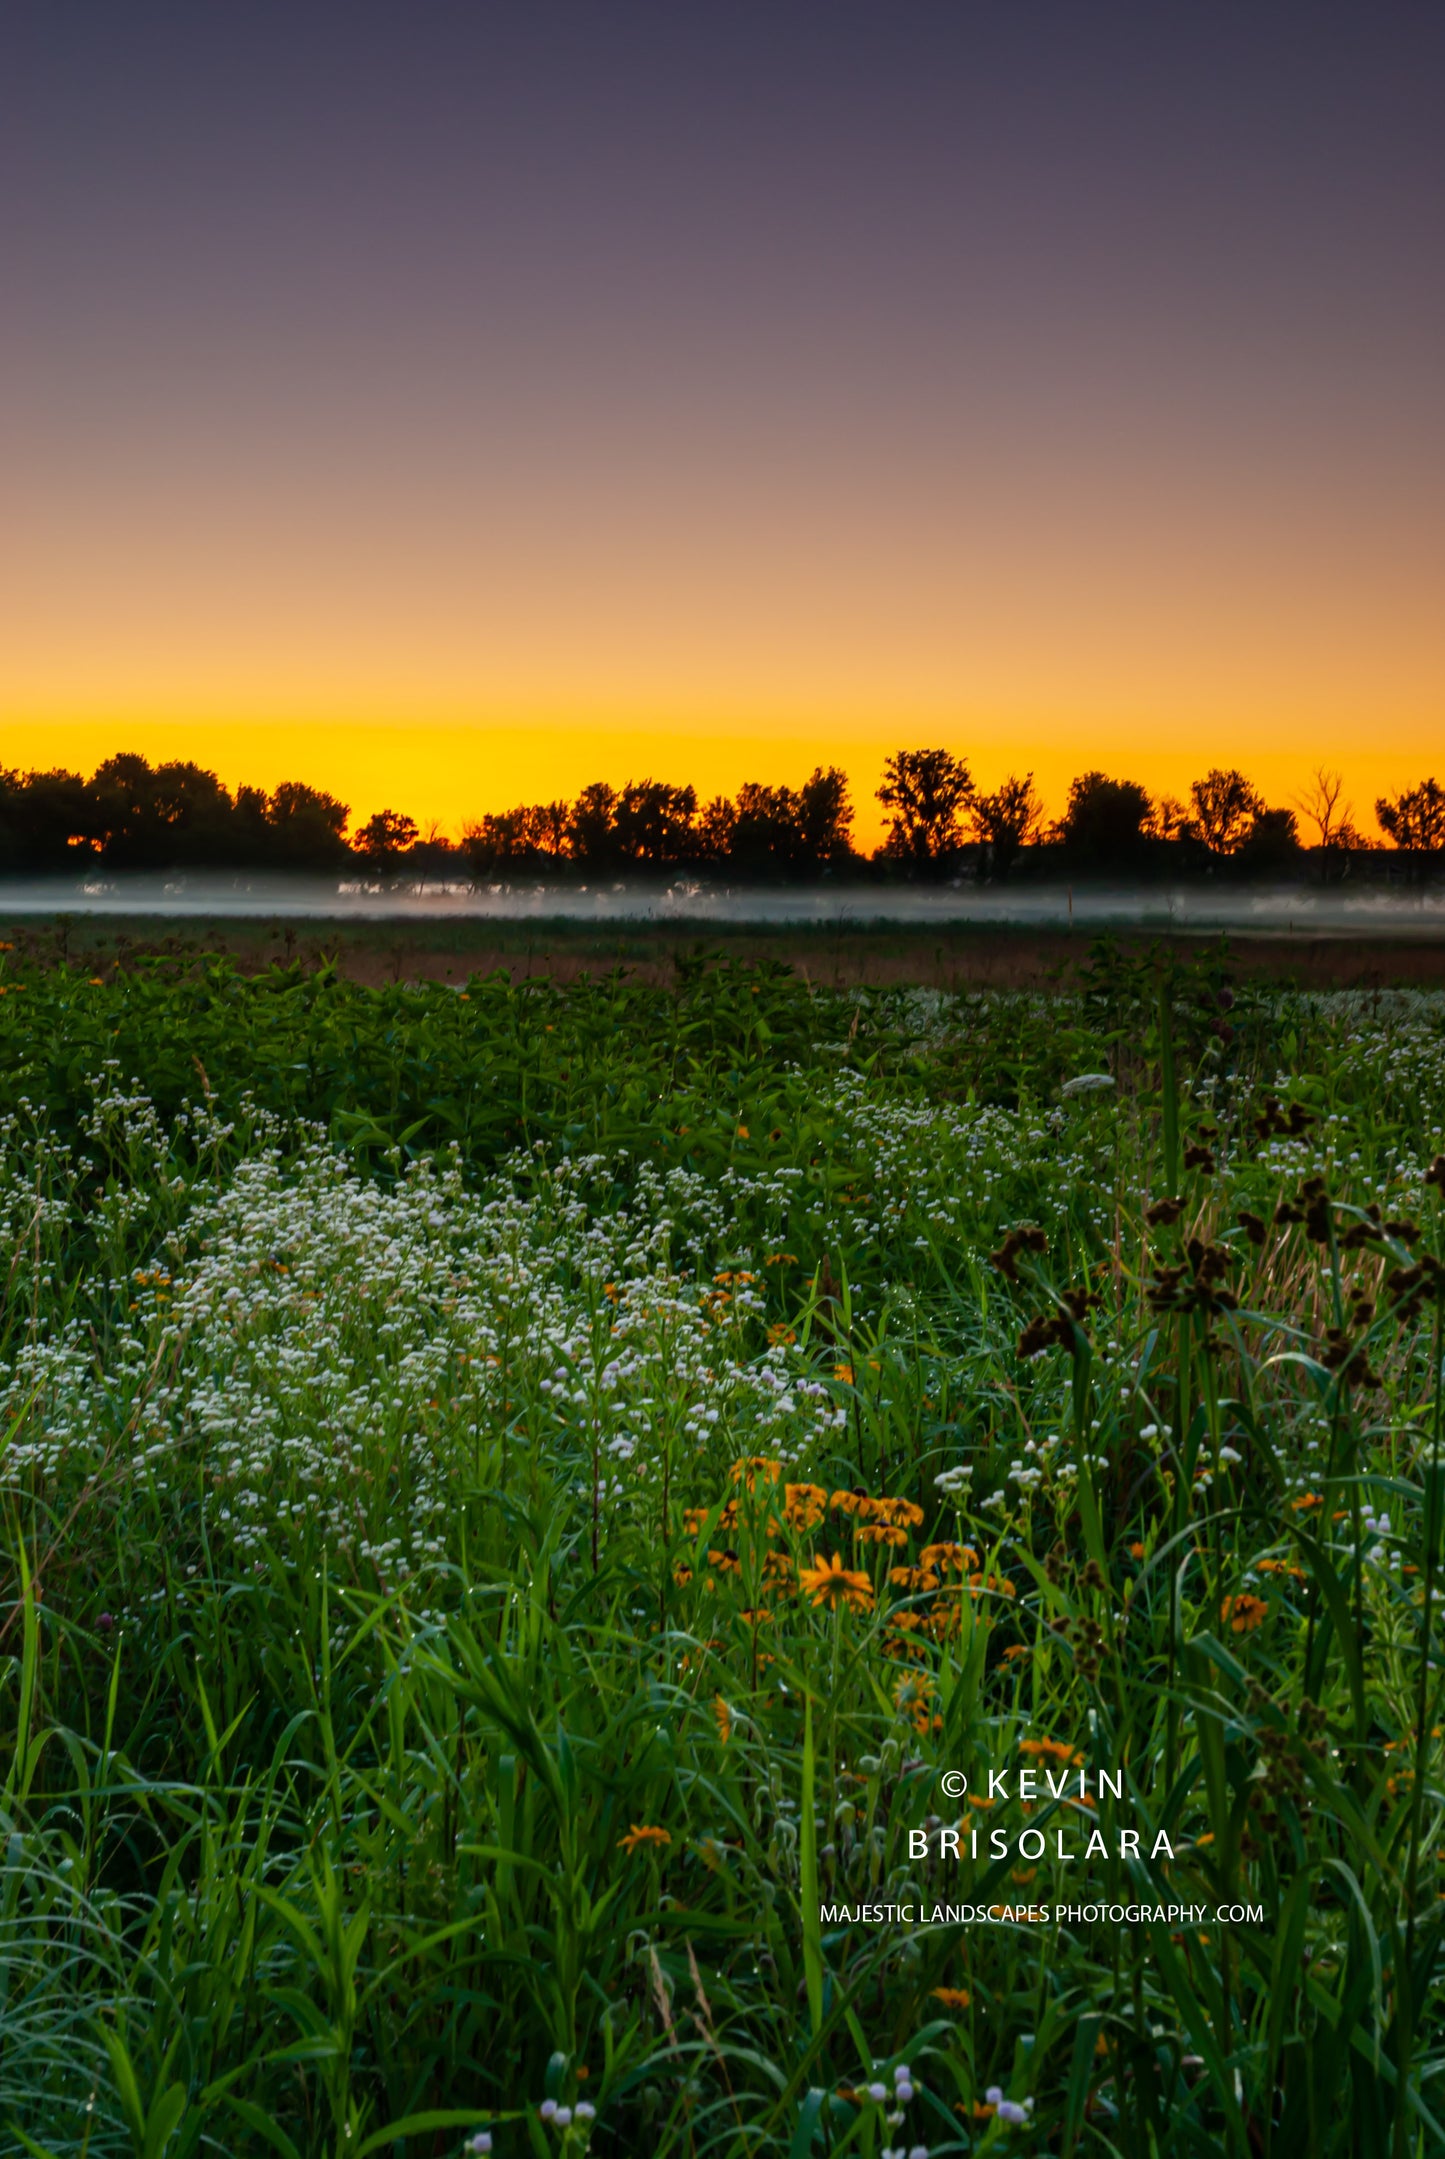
450	404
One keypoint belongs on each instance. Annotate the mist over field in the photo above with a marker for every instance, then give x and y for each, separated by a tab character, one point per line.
1275	910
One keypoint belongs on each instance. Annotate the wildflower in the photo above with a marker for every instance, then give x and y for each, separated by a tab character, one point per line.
1010	2111
682	1576
754	1468
641	1833
1306	1499
780	1332
1244	1613
849	1502
844	1374
912	1578
879	2092
584	2111
724	1718
1136	1550
901	1511
804	1505
829	1582
726	1562
481	2143
1053	1748
743	1132
880	1533
913	1698
954	1483
548	2110
955	1558
1014	1650
952	1997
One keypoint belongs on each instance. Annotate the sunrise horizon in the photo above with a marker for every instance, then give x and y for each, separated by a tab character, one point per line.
707	402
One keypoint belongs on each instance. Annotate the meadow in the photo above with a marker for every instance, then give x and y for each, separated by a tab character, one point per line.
516	1496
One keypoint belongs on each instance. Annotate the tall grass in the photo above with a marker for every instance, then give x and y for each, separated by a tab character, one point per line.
431	1710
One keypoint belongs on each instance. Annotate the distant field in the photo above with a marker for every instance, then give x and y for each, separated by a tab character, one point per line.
406	949
515	1495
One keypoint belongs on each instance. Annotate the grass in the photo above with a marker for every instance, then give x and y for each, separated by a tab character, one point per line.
514	1498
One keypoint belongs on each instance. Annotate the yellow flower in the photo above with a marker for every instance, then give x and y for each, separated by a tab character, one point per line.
880	1533
843	1372
724	1718
960	1558
640	1834
1244	1613
754	1468
952	1997
894	1510
829	1582
1053	1748
912	1578
804	1505
780	1332
743	1132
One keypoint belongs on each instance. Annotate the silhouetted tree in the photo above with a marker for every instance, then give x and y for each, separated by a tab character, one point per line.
716	825
825	819
1170	819
592	829
499	841
1272	841
175	816
1225	808
1105	822
653	824
766	831
47	822
928	792
548	826
308	828
1322	806
1006	821
383	840
1415	819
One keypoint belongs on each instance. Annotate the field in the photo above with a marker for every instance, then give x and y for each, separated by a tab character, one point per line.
515	1495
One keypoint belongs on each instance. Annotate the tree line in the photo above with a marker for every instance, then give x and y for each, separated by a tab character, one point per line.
130	815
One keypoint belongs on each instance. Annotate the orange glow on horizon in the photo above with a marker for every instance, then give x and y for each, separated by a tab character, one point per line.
447	775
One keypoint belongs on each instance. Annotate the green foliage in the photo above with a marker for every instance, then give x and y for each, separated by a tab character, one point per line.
427	1693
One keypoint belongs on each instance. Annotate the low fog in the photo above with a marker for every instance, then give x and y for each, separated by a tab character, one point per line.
1284	910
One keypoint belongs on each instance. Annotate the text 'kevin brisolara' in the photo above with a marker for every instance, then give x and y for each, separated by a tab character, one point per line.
1040	1915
